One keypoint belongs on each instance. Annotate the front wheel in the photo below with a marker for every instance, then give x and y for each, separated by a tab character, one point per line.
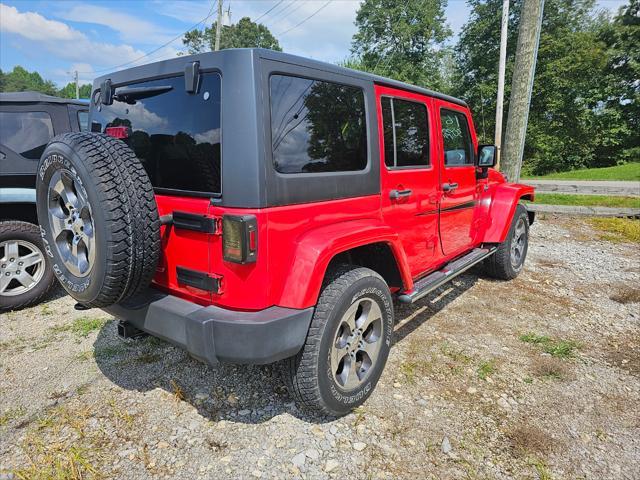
25	276
347	345
507	262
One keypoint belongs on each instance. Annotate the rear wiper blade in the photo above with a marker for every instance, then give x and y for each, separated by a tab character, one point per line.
131	94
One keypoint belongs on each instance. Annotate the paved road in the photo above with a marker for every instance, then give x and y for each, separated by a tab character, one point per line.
586	187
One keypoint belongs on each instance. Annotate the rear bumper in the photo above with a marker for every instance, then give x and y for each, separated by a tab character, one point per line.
213	334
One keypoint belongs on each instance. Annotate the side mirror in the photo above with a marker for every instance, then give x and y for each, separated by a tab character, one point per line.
106	92
486	156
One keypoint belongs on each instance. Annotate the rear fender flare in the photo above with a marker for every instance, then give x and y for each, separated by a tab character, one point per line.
315	249
500	203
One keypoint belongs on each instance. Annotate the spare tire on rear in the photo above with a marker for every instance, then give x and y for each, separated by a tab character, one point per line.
98	218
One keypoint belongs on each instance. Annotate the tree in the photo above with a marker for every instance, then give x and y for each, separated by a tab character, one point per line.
244	34
403	40
20	80
622	37
69	90
570	90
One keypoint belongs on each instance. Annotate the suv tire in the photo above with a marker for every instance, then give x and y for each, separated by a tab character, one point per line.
22	252
352	326
507	262
98	216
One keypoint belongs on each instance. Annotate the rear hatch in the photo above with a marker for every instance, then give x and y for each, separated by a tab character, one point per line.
176	135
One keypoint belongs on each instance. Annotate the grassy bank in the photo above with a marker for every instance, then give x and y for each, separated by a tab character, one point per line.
628	171
618	229
587	200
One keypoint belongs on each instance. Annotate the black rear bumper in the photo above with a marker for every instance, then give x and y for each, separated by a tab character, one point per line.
213	334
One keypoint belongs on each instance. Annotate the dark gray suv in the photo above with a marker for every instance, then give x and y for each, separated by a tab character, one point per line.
28	120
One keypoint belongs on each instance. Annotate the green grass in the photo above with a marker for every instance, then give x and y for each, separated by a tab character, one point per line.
485	369
82	326
587	200
555	347
618	229
628	171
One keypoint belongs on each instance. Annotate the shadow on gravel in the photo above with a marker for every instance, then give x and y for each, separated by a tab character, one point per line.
239	393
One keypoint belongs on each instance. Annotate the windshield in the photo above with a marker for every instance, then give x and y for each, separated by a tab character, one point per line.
176	135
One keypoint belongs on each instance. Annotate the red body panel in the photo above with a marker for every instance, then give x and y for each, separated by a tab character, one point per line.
297	242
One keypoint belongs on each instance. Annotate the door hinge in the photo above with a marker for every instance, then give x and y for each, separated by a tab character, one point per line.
197	222
201	280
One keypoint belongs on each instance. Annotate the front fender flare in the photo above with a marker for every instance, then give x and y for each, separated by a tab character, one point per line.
500	203
315	249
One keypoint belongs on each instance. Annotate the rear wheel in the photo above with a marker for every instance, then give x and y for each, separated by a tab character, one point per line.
25	277
507	262
347	345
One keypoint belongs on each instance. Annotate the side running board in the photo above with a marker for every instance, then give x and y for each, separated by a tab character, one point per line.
450	271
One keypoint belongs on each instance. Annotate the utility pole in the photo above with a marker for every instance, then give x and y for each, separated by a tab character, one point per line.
77	84
501	72
521	87
219	26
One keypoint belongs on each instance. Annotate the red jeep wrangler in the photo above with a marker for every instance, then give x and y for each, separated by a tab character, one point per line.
251	206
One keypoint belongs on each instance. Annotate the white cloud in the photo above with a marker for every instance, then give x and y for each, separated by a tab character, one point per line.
61	40
187	11
130	28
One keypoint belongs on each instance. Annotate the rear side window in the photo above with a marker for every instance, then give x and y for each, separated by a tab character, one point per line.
458	148
406	133
176	135
317	126
83	120
26	133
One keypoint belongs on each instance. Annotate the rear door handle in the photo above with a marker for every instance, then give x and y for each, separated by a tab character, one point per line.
449	187
396	194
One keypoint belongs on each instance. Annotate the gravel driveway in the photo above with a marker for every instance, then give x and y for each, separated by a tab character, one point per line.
536	378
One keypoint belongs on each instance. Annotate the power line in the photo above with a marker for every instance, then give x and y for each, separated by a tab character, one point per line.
265	13
211	12
300	5
308	18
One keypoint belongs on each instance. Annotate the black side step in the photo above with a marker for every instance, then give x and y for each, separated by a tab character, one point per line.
450	271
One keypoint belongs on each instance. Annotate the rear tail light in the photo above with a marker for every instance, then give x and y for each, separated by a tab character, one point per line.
117	132
239	238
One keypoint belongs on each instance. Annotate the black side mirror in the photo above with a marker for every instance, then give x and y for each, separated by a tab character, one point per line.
486	156
106	92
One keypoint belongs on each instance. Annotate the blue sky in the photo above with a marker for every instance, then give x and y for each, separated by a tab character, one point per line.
58	37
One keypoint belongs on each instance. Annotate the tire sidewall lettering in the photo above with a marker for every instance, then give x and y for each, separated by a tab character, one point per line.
378	295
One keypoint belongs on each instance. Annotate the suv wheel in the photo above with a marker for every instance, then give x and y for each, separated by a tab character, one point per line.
25	277
98	216
509	258
347	345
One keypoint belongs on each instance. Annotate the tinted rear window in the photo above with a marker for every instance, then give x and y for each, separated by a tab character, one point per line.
26	133
317	126
175	134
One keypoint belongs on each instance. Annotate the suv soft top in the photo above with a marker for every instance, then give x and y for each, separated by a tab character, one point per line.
173	65
35	97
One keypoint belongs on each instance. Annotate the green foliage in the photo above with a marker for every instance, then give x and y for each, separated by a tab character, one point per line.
21	80
584	103
244	34
69	90
403	40
486	368
554	347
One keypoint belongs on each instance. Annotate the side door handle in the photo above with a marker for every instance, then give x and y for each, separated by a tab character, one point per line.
449	187
396	194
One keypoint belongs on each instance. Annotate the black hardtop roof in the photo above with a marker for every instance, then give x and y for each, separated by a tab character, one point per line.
36	97
177	64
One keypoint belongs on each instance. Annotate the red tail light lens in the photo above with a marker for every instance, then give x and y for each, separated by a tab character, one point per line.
117	132
239	238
